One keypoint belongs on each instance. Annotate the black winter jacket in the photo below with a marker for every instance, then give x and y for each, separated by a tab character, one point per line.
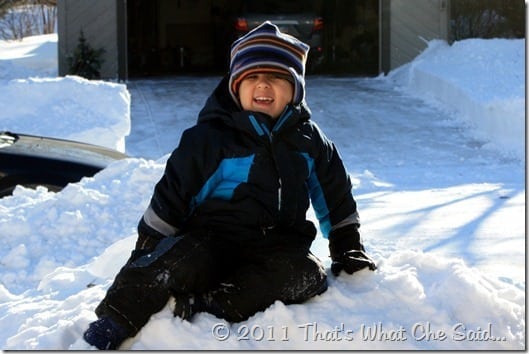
242	175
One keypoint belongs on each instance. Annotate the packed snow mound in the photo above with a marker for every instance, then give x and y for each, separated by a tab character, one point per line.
415	300
35	101
62	228
483	85
94	112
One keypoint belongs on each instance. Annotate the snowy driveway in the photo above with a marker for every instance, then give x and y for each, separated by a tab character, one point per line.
375	126
421	180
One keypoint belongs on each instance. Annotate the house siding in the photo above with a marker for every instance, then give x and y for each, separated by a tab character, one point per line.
411	24
98	21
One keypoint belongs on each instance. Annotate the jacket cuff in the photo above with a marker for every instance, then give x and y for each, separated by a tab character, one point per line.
344	239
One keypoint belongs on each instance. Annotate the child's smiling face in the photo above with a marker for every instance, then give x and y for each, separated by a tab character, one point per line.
266	92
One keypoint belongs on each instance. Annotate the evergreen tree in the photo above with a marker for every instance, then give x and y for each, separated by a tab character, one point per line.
85	60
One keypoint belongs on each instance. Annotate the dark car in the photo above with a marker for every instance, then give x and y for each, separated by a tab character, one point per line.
298	18
41	161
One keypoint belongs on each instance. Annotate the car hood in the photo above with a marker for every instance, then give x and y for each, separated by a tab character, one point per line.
60	149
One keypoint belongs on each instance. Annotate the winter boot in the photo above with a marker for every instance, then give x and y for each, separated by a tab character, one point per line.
105	334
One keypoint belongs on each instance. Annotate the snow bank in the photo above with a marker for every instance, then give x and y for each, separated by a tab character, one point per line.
73	108
60	229
414	300
95	112
484	86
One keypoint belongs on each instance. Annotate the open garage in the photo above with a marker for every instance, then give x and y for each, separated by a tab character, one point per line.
168	36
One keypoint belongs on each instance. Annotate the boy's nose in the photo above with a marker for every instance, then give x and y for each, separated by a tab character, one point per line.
263	82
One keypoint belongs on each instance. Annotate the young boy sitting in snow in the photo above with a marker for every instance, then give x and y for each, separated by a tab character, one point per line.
226	230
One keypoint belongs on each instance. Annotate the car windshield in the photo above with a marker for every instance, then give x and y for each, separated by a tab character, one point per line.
283	7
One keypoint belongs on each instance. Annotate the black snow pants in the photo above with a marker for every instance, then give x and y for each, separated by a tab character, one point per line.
227	279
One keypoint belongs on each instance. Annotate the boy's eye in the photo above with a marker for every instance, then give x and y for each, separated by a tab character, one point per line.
281	77
276	76
268	76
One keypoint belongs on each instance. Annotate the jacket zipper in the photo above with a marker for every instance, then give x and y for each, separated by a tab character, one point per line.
261	128
280	121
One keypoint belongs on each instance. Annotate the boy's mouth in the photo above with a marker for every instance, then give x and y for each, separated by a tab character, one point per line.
263	99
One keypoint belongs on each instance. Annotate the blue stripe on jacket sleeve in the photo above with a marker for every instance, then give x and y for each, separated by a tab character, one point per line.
317	198
222	183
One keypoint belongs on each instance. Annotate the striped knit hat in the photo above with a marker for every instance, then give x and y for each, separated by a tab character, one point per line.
266	49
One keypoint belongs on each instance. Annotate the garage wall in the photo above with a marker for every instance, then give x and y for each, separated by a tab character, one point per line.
99	21
411	24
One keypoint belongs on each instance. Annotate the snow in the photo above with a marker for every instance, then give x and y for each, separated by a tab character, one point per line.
436	153
482	100
71	107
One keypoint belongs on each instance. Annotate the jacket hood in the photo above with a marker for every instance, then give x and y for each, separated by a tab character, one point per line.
221	106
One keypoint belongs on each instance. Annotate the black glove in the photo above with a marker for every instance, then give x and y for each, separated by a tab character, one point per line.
347	251
352	261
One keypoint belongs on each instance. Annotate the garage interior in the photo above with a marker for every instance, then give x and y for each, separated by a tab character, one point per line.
171	37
